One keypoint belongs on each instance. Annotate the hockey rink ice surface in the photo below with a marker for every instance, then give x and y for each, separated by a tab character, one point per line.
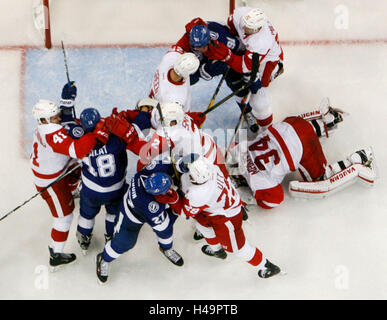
333	248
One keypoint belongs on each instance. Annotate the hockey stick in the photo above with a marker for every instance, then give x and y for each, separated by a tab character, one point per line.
168	139
41	191
244	102
65	62
218	88
254	71
217	91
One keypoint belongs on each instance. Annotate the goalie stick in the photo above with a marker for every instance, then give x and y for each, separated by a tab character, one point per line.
41	191
254	71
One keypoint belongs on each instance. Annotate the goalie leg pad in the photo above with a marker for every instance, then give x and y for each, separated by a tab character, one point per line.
339	181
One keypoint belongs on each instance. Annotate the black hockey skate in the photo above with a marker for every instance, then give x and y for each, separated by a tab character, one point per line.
84	241
220	254
173	256
58	260
251	122
197	235
244	212
102	269
269	271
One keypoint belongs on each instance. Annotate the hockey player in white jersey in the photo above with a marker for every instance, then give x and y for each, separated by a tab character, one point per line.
291	145
171	81
212	200
258	36
182	132
52	152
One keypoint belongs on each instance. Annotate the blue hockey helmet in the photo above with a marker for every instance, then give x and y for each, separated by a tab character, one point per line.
199	36
157	183
89	119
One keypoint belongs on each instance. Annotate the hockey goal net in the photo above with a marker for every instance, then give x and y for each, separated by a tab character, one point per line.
42	16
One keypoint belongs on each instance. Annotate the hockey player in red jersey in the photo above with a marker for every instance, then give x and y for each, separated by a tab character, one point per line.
258	35
212	200
293	144
53	151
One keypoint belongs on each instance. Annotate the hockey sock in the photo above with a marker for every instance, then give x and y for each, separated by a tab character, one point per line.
85	226
60	232
250	254
109	223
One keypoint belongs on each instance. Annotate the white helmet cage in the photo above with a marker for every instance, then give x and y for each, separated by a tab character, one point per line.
172	111
201	170
186	64
254	19
45	109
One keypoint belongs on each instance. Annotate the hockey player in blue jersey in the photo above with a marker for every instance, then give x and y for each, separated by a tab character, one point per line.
140	206
103	181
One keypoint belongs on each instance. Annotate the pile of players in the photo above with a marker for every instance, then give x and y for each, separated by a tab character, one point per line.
180	170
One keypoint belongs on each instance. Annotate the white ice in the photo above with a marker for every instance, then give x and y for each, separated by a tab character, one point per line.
333	248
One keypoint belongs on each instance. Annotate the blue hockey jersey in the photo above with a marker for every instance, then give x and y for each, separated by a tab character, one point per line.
104	170
140	206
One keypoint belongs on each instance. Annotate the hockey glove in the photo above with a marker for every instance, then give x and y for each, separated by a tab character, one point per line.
69	91
121	128
218	51
197	117
101	132
194	22
170	197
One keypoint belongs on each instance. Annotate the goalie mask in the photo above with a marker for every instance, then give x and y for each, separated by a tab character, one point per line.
201	170
186	64
44	110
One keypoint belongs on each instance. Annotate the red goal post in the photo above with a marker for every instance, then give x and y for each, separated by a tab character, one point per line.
41	16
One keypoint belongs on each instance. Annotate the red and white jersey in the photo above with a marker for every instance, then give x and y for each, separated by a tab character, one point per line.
265	42
164	89
52	150
217	196
275	152
185	138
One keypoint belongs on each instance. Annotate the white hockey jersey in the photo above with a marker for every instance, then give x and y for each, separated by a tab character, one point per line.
265	161
185	138
217	196
52	150
164	89
265	42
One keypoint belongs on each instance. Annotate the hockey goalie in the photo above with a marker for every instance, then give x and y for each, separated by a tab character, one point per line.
292	145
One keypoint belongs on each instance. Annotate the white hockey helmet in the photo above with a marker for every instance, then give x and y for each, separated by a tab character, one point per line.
45	109
172	111
254	19
186	64
201	170
146	102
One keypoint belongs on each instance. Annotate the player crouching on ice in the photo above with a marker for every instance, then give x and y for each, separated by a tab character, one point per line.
212	200
141	205
293	144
